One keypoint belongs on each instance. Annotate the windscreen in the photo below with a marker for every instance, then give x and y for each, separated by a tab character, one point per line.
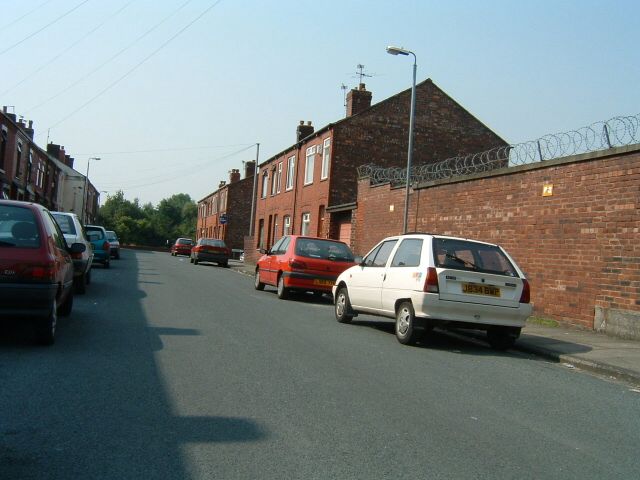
465	255
18	227
66	223
324	249
212	242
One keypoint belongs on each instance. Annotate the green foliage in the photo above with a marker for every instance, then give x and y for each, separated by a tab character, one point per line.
146	225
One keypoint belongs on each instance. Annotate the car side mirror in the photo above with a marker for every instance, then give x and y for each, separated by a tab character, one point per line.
359	260
77	248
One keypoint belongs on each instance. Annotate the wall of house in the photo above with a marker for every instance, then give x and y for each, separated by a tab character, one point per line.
238	212
379	135
579	247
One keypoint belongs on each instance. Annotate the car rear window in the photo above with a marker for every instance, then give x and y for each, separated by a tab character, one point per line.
94	233
324	249
212	242
111	236
18	227
66	223
184	241
464	255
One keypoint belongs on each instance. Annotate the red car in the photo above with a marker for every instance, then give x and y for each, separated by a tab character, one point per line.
182	247
36	269
211	250
302	263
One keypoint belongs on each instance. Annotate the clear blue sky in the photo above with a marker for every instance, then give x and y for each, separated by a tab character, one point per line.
248	71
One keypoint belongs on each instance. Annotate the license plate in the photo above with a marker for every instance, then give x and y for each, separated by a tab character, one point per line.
477	289
324	283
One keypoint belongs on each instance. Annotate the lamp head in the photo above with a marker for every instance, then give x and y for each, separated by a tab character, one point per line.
391	50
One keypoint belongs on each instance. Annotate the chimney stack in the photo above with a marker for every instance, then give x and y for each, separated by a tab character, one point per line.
249	168
234	175
303	130
358	100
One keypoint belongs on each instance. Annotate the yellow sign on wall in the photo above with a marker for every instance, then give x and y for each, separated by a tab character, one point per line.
547	190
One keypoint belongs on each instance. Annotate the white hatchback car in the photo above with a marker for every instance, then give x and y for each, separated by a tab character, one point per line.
425	280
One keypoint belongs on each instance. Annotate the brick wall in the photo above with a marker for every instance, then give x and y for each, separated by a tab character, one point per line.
579	247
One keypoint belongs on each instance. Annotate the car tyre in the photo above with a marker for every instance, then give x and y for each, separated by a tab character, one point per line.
191	259
107	264
117	255
258	285
405	324
502	338
46	327
88	277
224	264
342	309
195	261
65	309
283	292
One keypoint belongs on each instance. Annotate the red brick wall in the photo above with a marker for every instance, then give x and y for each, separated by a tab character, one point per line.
578	247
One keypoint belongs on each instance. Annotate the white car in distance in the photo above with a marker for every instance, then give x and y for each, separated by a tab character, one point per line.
425	280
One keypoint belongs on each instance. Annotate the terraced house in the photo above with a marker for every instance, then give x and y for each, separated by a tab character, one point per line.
310	187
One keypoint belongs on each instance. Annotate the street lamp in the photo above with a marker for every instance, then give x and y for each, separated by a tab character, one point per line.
85	199
391	50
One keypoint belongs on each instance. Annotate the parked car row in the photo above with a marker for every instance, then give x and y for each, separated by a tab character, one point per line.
45	257
421	280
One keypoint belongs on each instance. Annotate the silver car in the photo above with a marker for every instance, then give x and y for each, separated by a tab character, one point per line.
74	233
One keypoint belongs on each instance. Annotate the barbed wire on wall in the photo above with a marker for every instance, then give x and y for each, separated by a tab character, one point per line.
616	132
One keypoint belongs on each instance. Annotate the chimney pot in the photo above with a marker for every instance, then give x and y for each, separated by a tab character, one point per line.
303	130
358	100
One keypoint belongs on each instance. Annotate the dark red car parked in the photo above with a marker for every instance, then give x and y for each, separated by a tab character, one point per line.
211	250
302	263
36	269
182	247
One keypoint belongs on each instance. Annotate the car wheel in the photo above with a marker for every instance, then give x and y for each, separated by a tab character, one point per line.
117	255
283	292
65	309
502	338
80	284
405	324
88	276
258	285
224	264
191	259
343	310
195	261
107	264
46	327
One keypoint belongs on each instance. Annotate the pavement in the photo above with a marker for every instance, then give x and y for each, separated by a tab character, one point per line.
612	357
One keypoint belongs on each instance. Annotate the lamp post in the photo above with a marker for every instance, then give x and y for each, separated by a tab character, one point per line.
85	199
401	51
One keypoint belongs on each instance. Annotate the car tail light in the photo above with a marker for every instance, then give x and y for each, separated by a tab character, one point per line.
431	283
106	247
41	272
293	263
526	292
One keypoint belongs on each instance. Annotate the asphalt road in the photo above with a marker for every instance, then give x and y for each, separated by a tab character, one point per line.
169	370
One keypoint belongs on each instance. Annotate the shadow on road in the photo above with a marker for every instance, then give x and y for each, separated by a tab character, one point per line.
96	405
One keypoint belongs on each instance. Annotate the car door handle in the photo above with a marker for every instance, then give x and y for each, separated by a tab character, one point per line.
384	277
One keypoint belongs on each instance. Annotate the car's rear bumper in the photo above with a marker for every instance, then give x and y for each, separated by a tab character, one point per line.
24	300
80	267
211	257
309	281
428	305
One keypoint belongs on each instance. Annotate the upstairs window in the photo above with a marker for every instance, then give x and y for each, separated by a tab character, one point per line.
286	225
306	224
274	184
326	157
265	184
291	165
308	168
279	177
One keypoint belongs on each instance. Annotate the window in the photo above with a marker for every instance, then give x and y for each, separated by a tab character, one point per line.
286	225
265	184
223	201
274	184
379	256
408	253
279	177
29	167
291	165
320	221
306	224
326	156
19	161
308	168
